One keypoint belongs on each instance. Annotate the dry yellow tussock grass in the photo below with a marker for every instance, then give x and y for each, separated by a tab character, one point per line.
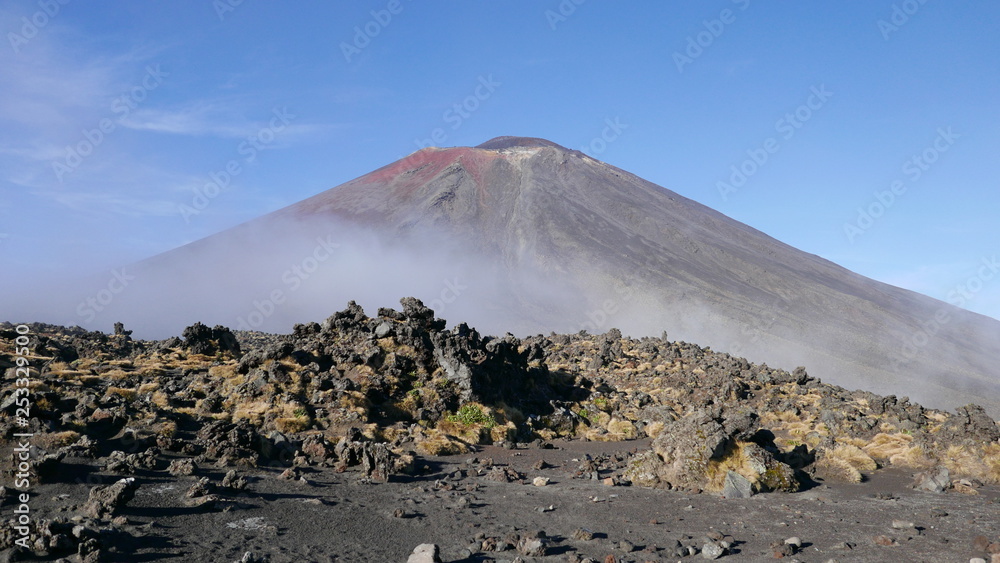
853	441
160	399
151	371
122	392
292	424
253	411
90	380
897	449
592	434
991	459
798	429
936	416
224	371
812	399
388	434
69	376
654	429
838	469
963	461
504	432
619	430
845	462
436	443
355	401
55	439
166	428
471	433
115	375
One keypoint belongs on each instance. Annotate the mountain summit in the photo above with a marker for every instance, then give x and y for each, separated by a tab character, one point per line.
507	142
522	234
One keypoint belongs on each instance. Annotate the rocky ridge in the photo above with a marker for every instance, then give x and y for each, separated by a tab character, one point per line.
377	395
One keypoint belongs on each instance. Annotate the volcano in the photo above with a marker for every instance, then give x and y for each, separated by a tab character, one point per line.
522	234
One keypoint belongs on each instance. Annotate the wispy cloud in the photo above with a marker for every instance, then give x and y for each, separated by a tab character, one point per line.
213	118
62	86
203	118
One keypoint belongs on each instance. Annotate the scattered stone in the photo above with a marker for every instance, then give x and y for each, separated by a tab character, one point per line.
934	481
202	487
425	553
981	543
234	481
712	551
884	540
377	461
582	534
126	464
105	500
180	467
736	486
503	474
794	541
532	546
540	481
902	525
843	546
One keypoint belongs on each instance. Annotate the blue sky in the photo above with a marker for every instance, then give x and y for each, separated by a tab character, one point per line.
799	119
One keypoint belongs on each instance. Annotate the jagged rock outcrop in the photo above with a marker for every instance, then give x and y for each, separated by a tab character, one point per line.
699	450
209	341
105	500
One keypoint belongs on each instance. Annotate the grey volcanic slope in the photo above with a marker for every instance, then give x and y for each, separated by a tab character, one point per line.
641	258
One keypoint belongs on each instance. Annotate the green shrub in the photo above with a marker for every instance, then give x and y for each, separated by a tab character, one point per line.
470	414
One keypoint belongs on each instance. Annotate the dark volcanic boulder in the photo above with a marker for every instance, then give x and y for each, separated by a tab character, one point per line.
200	339
105	500
972	424
699	450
